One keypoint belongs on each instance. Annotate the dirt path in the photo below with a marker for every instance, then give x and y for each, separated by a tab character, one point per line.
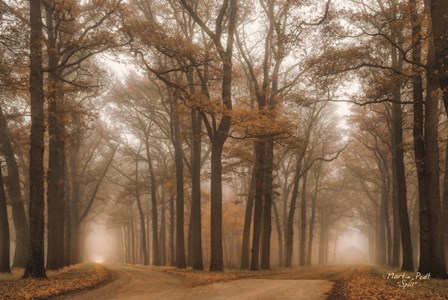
264	289
133	282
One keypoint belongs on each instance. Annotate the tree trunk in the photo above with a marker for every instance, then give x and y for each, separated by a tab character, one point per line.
267	204
162	241
56	159
195	216
258	210
4	230
15	195
172	227
142	217
247	222
312	218
35	266
279	234
216	255
396	243
381	244
292	207
437	266
388	242
155	234
439	11
445	203
178	153
302	244
68	223
398	159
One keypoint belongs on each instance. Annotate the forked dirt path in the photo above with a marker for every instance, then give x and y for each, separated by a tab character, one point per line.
140	283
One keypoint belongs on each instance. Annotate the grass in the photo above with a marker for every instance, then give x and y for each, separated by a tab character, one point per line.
66	280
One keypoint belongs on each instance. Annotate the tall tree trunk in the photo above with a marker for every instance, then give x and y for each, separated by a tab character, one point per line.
35	266
439	45
278	226
56	159
142	217
382	256
258	210
419	143
195	216
15	195
133	229
216	255
154	215
437	267
302	244
162	241
445	204
292	207
248	221
68	223
312	218
172	226
267	204
398	159
396	243
178	153
439	11
4	230
388	242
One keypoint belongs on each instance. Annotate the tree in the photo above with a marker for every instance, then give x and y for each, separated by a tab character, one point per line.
35	265
4	229
218	132
15	194
13	69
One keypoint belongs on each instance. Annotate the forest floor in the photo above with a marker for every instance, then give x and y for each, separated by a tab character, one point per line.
336	282
67	280
352	282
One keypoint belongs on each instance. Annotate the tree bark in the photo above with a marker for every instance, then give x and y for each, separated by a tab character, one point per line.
56	159
445	204
267	204
68	223
4	230
302	244
35	266
15	195
142	217
195	217
278	226
258	209
312	220
248	221
155	234
432	192
292	207
439	11
398	159
162	240
216	255
178	153
172	227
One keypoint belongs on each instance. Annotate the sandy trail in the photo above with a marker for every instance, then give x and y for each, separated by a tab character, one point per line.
133	282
